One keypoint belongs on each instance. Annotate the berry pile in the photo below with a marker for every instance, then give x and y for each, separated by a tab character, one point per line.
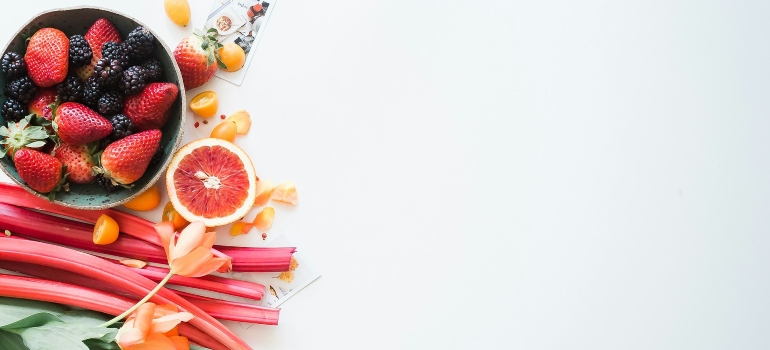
84	109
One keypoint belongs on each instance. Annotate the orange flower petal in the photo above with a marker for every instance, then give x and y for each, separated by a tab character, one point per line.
241	228
180	343
135	330
285	192
264	190
166	232
166	323
210	266
173	332
134	263
190	238
264	219
208	239
154	341
189	264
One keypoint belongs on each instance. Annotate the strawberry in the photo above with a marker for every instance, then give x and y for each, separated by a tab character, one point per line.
40	104
79	162
150	108
21	135
42	172
101	31
124	161
196	56
78	125
47	57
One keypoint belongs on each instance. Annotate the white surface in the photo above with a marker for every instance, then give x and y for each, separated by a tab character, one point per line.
512	175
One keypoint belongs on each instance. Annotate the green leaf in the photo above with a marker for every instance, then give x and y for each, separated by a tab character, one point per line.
14	310
10	341
86	317
95	344
4	131
196	347
69	336
211	30
36	144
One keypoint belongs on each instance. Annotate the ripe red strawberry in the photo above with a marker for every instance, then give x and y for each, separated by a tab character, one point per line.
47	57
198	58
79	162
42	172
101	31
78	125
150	108
40	103
124	161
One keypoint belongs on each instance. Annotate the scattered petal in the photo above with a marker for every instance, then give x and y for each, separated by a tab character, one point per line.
264	190
264	219
285	192
134	263
287	276
241	228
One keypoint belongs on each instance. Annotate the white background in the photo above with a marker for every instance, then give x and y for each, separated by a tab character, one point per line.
510	174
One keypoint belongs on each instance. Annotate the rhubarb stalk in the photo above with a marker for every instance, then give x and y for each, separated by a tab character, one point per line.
78	235
70	260
87	298
220	309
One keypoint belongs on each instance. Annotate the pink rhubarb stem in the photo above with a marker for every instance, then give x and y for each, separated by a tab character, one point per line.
144	240
220	309
218	284
87	298
70	260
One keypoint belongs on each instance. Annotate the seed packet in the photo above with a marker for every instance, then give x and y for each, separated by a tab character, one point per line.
242	22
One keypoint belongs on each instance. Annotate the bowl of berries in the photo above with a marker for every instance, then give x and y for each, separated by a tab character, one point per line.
92	108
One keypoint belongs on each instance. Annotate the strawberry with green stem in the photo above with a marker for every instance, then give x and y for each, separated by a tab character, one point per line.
197	57
20	135
125	161
42	172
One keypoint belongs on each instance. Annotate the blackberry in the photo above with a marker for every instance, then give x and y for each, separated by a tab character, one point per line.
91	93
106	183
115	51
110	103
80	51
157	157
14	110
70	90
133	80
108	73
139	44
22	89
154	70
13	65
121	127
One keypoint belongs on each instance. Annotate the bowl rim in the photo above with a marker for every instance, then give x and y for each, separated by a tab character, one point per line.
180	130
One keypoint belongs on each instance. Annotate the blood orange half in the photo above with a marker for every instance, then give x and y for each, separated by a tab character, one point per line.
211	180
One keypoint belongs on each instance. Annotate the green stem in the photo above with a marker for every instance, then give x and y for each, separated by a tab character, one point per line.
140	303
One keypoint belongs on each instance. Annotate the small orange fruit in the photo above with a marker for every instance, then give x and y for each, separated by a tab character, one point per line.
147	200
226	130
178	11
205	104
170	214
232	56
106	230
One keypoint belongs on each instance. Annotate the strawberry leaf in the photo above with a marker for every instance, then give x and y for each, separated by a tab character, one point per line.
36	144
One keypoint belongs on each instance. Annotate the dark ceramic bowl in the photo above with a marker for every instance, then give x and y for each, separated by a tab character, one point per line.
77	20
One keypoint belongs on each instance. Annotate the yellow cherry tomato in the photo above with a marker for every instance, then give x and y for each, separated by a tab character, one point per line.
147	200
106	230
205	104
226	130
178	11
232	56
170	214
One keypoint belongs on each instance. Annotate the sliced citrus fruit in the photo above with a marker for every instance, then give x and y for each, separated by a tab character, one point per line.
242	121
205	104
106	230
147	200
211	180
